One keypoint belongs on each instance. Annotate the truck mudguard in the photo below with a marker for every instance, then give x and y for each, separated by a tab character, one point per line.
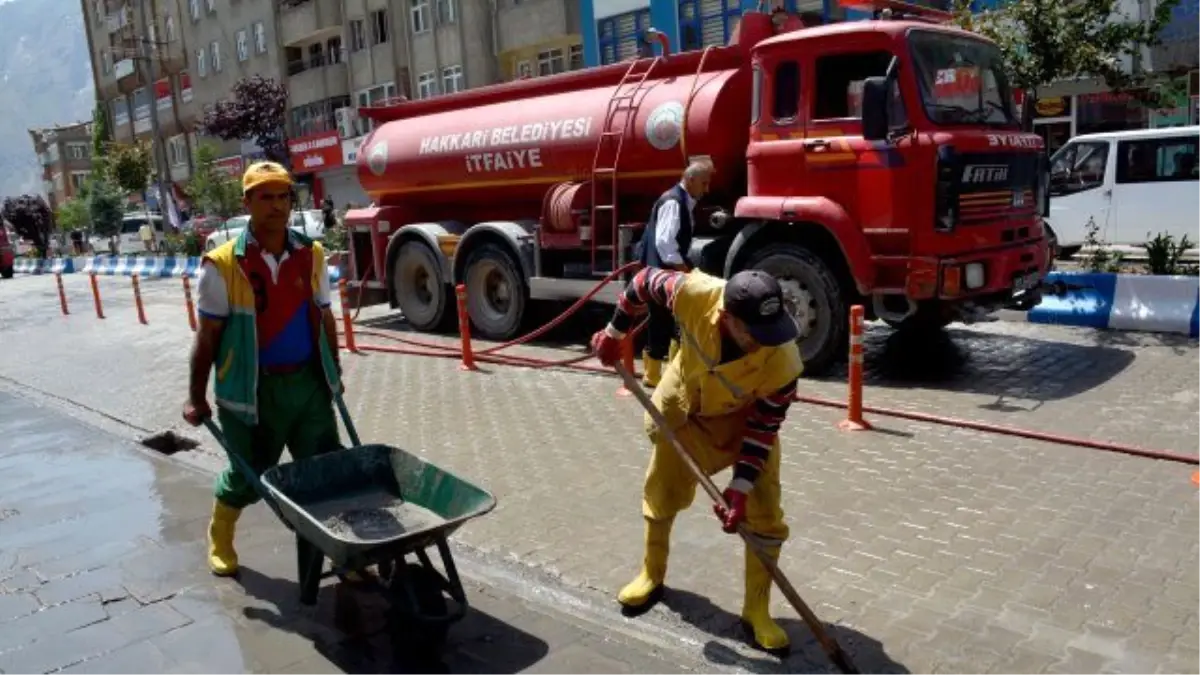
428	233
820	211
516	235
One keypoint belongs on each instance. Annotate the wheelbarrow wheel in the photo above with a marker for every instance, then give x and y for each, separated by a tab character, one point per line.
418	639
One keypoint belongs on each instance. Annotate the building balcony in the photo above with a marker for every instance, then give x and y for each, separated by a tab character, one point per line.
308	20
314	80
123	69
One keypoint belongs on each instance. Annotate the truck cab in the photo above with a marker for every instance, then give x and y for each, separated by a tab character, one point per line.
891	152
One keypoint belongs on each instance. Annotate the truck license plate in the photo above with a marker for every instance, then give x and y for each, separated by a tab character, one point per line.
1024	282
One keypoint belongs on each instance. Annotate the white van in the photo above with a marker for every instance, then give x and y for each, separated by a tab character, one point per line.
1134	185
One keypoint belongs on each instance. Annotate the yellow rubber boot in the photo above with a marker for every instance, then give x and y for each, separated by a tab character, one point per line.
756	607
673	350
222	559
651	371
643	592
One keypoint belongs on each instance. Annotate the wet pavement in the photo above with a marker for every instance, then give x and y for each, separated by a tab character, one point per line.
102	571
929	547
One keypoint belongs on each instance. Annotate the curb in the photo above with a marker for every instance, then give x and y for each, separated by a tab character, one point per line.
44	265
1122	302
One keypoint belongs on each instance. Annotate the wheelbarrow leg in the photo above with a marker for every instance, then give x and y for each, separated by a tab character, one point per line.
309	563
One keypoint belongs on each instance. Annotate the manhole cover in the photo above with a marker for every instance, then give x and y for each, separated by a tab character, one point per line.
169	442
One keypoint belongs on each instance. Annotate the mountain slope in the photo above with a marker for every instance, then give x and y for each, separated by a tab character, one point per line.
45	79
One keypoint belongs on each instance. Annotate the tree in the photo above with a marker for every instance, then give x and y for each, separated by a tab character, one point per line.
73	214
255	110
31	218
1047	40
100	137
213	191
106	207
129	165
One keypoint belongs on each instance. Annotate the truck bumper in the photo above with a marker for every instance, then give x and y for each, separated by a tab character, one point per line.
988	280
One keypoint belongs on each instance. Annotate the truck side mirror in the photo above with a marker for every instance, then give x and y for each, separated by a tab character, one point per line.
875	106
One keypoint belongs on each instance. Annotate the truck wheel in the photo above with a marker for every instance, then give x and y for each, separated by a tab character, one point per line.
496	294
419	286
814	299
6	272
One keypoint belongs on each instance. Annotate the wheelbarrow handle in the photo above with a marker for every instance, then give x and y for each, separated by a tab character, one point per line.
350	429
243	467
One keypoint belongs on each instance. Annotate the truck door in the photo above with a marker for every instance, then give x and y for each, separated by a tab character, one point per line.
778	121
867	179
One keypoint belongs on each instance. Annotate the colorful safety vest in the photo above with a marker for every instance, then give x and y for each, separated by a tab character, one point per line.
237	360
698	303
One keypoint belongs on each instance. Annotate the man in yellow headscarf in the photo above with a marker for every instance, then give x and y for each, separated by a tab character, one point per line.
725	394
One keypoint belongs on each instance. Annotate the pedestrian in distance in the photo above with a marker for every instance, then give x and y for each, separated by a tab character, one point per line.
664	244
724	395
267	330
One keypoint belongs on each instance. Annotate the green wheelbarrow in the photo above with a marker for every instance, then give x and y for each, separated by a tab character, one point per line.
374	505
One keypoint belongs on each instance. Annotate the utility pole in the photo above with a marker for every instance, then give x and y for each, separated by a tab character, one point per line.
162	166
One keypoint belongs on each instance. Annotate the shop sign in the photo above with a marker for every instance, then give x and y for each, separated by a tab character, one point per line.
231	165
316	152
162	94
185	87
350	148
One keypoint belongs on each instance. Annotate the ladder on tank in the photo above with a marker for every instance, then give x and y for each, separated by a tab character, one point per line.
608	157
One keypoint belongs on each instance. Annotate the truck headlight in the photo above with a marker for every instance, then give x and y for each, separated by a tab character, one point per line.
974	275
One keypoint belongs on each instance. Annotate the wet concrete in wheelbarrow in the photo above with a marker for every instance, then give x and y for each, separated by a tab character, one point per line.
102	570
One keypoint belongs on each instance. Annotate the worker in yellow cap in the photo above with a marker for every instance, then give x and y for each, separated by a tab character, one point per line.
267	329
725	395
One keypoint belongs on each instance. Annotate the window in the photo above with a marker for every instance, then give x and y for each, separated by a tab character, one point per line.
169	28
379	27
370	97
620	36
358	35
98	11
78	179
452	79
427	85
420	16
106	62
177	150
551	61
785	97
214	49
260	38
445	11
334	50
961	80
76	150
317	117
212	5
839	79
1157	160
120	111
243	45
141	103
58	182
1077	167
194	9
524	69
202	62
52	153
575	58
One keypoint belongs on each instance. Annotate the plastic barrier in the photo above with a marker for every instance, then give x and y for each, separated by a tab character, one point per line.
155	267
1128	302
44	265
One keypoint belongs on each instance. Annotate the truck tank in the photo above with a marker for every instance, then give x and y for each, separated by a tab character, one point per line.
508	154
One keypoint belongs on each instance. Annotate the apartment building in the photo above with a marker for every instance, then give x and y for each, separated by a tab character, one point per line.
139	68
345	54
66	156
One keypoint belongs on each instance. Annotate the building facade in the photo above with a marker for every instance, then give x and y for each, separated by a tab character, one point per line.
65	153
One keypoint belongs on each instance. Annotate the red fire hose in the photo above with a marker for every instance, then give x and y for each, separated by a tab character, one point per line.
489	355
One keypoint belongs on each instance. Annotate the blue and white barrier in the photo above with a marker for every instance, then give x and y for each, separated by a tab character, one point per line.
44	265
147	267
1127	302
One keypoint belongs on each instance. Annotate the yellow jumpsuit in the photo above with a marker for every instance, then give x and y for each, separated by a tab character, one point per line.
709	419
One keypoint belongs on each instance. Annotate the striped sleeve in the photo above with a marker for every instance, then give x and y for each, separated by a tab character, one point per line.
762	428
650	285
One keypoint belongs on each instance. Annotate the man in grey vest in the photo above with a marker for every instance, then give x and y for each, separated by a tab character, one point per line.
665	245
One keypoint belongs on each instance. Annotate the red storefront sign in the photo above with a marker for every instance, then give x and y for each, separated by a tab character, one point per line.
162	94
230	165
316	152
185	86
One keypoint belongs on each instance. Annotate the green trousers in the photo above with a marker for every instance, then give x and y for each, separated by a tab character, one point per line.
295	410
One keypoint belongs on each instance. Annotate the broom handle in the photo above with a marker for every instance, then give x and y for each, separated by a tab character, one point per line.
831	647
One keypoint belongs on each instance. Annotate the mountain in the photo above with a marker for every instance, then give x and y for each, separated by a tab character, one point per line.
45	79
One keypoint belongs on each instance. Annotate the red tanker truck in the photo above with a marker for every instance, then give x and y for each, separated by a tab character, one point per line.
872	162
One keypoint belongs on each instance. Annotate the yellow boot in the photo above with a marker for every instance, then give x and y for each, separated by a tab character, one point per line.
673	350
222	559
651	370
642	593
756	606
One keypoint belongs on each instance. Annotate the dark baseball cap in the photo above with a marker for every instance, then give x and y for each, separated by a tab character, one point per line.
756	298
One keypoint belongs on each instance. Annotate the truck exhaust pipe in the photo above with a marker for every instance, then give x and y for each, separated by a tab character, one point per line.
655	34
878	303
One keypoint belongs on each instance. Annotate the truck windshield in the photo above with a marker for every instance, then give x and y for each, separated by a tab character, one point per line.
961	80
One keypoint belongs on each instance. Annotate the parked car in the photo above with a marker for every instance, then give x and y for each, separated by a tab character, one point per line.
308	223
1134	185
8	256
129	240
